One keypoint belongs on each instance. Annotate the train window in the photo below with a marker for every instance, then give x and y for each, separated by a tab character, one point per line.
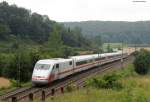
90	60
97	59
70	63
81	62
42	66
57	65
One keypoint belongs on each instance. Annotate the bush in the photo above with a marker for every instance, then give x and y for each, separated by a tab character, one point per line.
135	53
107	81
142	62
23	59
1	64
14	83
130	95
70	88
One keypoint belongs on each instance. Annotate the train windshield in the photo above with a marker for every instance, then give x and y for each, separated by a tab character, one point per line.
42	66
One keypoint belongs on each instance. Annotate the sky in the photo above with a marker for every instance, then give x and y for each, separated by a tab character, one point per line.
83	10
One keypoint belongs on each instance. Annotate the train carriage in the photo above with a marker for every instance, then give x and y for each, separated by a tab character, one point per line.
48	70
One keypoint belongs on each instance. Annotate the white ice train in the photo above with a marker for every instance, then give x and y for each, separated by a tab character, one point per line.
48	70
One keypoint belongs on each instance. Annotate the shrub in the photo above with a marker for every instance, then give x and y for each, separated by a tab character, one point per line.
142	62
25	60
135	53
14	83
130	95
70	88
107	81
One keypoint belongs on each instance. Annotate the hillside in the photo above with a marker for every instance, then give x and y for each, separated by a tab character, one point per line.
21	23
115	31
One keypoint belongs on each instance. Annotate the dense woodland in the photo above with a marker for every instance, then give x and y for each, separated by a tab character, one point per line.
26	37
115	31
22	23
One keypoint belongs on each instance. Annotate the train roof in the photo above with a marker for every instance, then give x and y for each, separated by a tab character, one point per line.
83	57
87	57
79	58
53	61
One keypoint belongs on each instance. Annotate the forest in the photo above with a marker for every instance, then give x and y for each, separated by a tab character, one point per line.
22	23
115	31
26	37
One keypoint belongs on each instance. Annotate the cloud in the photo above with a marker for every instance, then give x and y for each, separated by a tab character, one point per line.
82	10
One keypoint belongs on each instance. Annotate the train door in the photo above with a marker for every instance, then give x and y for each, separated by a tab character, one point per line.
74	65
57	71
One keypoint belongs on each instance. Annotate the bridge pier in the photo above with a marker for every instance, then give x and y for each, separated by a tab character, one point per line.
62	89
43	96
14	99
31	97
53	93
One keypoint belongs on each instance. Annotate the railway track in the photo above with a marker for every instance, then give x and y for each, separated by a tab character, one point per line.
30	93
19	90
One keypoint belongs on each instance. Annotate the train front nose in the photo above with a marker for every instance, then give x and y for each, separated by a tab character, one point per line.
39	80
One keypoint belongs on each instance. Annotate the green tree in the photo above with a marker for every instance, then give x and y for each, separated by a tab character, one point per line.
26	25
68	51
55	43
142	62
55	39
109	49
98	40
4	31
1	64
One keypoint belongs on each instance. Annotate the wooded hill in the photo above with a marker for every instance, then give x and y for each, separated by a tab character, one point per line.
115	31
17	22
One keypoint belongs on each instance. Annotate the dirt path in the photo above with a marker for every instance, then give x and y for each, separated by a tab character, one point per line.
4	82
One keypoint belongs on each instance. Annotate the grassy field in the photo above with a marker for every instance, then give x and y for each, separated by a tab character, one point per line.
114	45
135	88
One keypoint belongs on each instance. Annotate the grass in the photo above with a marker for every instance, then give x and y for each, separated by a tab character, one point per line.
13	86
136	88
114	45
